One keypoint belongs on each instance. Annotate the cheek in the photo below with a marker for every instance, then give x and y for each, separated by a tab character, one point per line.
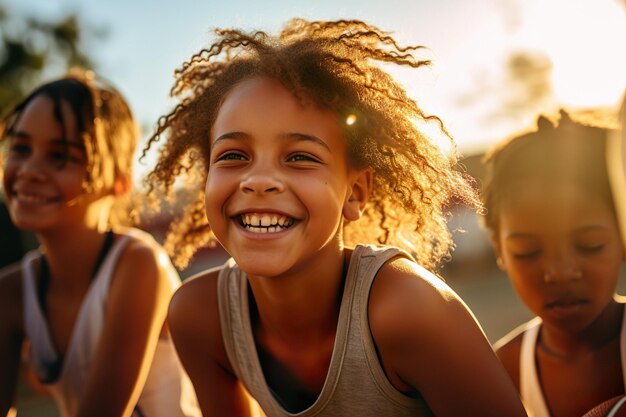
606	276
6	179
9	169
214	195
71	183
526	282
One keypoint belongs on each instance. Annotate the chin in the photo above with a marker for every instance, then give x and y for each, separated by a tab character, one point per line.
266	267
261	271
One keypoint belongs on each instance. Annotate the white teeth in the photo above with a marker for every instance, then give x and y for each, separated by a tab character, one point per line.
31	198
265	223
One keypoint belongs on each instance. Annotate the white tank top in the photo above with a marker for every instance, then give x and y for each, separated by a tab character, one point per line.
530	386
167	391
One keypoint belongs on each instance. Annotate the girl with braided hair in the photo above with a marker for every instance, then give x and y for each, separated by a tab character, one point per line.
556	234
306	163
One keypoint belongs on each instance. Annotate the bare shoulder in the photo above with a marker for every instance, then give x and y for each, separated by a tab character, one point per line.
414	317
11	295
195	326
406	296
508	351
194	317
142	284
197	297
429	341
147	263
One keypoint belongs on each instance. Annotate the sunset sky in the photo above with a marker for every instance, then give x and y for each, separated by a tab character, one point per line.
496	63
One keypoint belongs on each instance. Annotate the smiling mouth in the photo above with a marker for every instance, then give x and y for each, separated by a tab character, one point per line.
265	222
29	198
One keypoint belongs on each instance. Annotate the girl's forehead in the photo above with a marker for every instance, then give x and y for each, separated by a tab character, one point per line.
45	117
262	105
552	202
258	91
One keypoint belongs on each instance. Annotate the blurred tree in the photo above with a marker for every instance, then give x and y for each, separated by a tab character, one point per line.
31	48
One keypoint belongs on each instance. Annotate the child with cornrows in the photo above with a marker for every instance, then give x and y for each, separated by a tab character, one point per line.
550	212
91	302
304	158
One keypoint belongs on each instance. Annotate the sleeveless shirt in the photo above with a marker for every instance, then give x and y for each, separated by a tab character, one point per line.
530	386
167	391
355	383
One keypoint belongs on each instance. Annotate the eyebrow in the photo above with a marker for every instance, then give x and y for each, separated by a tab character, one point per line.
57	141
230	135
293	136
590	228
302	137
517	235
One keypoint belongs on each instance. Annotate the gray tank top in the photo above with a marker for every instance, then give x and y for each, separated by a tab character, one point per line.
355	383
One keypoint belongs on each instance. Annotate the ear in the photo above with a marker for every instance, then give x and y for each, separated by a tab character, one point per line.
361	182
121	185
497	247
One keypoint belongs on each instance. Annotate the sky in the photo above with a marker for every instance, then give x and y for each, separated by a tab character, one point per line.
496	63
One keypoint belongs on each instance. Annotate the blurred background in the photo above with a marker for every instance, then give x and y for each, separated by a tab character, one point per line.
497	64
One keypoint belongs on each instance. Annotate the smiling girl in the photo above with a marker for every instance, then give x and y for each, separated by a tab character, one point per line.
555	232
308	149
91	301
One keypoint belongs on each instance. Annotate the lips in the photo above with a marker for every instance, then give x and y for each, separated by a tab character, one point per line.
33	198
265	222
566	307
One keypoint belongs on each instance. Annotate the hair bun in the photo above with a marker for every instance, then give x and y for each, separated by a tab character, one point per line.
565	118
544	123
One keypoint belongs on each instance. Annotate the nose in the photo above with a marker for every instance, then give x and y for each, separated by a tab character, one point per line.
262	180
32	169
562	268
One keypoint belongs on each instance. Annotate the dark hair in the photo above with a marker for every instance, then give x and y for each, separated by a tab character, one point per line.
568	151
329	64
104	121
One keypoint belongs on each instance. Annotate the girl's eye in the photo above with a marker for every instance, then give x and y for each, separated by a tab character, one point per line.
590	248
527	254
19	149
69	156
64	158
230	156
59	156
299	157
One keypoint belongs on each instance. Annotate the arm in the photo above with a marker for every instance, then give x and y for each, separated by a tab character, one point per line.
11	335
430	342
195	325
508	350
136	309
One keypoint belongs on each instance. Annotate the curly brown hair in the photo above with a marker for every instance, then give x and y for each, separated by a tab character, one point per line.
569	150
331	65
104	121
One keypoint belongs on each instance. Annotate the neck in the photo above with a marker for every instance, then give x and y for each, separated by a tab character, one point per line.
303	307
605	329
71	256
